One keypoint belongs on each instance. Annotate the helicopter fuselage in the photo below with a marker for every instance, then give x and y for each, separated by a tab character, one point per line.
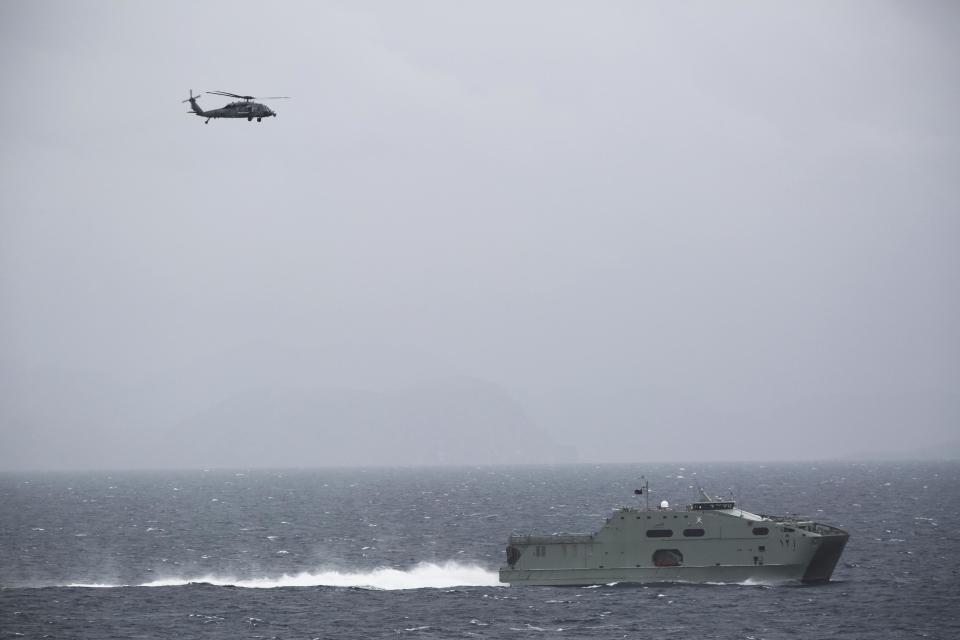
245	109
248	110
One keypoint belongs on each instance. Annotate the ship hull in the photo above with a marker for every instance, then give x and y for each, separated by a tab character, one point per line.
821	566
695	546
766	574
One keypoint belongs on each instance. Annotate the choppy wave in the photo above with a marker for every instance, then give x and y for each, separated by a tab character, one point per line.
425	575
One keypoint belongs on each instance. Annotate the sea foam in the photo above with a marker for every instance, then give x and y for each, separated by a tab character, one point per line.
426	575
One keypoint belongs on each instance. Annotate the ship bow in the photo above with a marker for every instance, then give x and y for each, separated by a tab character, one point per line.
825	559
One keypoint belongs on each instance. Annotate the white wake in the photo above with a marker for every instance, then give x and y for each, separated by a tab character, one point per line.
425	575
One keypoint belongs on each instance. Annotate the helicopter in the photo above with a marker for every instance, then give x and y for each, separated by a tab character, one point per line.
245	109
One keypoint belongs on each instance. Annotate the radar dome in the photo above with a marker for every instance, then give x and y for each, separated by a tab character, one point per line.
664	505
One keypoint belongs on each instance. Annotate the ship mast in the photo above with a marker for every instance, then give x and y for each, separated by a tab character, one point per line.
644	490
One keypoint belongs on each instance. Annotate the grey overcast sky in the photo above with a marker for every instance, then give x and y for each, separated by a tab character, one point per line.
480	232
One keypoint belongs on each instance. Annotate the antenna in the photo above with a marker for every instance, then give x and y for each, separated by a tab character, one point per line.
645	490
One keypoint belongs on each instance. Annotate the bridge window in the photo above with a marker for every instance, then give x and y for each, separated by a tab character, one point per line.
712	506
659	533
693	533
761	531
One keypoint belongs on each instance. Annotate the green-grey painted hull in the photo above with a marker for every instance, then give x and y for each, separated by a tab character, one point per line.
693	545
767	574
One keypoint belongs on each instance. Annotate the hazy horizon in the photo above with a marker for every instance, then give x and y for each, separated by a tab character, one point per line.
479	234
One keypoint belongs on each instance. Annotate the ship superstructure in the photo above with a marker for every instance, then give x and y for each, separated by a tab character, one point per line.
710	540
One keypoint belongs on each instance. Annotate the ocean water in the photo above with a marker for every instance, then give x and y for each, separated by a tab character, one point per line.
387	553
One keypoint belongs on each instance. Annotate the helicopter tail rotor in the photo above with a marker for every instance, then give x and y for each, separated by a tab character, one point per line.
193	104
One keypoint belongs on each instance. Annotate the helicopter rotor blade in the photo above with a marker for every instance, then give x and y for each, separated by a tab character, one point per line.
230	95
237	95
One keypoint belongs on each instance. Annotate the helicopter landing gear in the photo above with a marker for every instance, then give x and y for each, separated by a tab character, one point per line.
249	118
258	119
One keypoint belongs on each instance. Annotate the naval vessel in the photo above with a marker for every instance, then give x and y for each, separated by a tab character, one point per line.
710	540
